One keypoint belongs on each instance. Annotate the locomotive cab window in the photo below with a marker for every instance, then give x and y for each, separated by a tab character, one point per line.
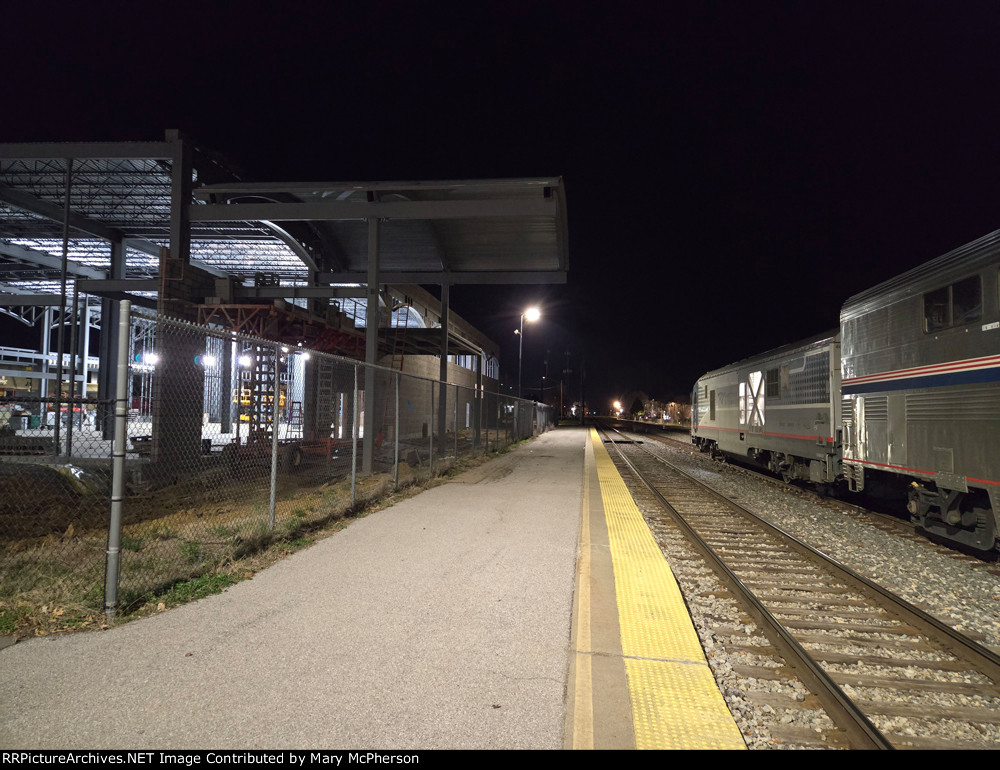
967	301
959	304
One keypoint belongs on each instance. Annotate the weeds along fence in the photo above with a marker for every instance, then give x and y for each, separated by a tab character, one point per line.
214	445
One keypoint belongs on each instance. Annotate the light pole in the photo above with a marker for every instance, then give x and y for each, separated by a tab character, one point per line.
532	314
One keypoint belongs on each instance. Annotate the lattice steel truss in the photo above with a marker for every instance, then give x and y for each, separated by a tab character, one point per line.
131	195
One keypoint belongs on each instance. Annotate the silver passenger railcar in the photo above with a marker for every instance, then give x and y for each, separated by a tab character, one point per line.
780	410
920	357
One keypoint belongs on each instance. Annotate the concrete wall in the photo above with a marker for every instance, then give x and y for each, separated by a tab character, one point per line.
415	397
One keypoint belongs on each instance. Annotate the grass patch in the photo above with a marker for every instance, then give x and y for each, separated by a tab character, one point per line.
197	588
221	530
11	618
190	550
165	533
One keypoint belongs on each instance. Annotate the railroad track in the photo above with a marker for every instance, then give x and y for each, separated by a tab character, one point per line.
898	523
888	674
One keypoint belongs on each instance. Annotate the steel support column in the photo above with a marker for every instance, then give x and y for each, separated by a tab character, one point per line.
442	426
180	198
108	370
46	352
61	334
477	409
226	387
372	316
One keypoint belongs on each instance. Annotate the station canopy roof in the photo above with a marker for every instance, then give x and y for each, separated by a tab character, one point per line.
501	231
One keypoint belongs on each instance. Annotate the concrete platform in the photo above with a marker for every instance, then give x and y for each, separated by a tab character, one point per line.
445	622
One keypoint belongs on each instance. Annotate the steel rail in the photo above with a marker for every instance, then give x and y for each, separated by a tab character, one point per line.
958	644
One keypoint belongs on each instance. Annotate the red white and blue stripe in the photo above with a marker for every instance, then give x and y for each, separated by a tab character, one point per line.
969	371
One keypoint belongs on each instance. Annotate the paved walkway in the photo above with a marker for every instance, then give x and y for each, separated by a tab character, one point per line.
442	622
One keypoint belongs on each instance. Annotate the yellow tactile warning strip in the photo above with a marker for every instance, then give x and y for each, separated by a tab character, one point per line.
676	703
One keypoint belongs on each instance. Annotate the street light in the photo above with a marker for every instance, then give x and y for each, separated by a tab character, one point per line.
532	314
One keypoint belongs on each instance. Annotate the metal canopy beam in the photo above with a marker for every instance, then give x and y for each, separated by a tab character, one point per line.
30	300
124	284
41	259
468	278
291	292
54	211
27	202
334	210
105	287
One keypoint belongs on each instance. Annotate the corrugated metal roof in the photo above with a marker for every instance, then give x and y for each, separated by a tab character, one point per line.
816	341
452	231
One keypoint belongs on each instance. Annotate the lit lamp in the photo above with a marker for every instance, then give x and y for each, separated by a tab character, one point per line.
532	314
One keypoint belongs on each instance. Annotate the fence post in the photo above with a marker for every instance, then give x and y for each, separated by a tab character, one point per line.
354	441
395	471
481	396
118	465
275	427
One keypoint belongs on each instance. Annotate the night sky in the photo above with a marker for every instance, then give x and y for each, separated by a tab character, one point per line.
733	171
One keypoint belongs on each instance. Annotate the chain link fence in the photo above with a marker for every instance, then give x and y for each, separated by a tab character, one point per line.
225	444
55	481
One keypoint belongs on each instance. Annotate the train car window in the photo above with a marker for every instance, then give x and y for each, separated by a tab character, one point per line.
955	305
966	301
711	405
936	316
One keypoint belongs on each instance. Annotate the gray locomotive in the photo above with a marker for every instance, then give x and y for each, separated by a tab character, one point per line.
903	398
